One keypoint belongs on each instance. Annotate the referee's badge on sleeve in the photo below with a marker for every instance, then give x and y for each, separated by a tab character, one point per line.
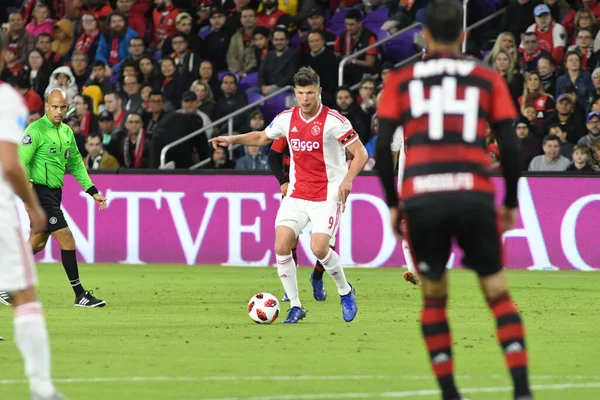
26	140
67	153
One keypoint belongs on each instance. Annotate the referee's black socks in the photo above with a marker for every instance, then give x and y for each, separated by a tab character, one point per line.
69	260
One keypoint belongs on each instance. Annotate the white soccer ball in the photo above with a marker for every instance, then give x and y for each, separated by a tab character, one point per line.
263	308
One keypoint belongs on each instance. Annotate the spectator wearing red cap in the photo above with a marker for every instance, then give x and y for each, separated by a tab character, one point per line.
164	19
551	35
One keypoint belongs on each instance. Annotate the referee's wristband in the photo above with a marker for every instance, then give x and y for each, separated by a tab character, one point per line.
92	191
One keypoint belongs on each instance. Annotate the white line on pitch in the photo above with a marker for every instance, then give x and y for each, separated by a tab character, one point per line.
412	393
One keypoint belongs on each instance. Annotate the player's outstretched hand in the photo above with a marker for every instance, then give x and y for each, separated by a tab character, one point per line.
101	200
38	218
508	216
396	221
217	141
344	192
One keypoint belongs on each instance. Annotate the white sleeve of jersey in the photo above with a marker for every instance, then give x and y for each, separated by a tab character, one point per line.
530	29
398	139
13	114
559	36
279	126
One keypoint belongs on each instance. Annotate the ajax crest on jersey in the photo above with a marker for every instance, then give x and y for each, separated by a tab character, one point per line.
27	140
263	308
315	130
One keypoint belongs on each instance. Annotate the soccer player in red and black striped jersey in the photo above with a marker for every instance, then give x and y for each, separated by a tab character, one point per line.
444	104
279	163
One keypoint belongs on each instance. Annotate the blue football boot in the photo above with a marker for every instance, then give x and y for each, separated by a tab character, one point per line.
349	307
318	289
295	314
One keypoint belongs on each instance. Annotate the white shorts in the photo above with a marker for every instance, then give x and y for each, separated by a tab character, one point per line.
17	269
297	213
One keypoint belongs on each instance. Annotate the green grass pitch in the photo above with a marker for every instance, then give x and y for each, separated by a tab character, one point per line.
178	332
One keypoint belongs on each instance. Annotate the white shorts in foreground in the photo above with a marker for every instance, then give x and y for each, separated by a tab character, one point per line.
17	269
297	213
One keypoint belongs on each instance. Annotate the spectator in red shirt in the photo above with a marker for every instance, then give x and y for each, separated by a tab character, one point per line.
164	18
569	21
135	18
271	16
32	99
354	38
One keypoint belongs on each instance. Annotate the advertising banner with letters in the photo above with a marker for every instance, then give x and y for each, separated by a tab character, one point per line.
229	220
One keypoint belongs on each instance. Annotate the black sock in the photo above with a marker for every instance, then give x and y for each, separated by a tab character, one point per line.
295	257
69	260
318	271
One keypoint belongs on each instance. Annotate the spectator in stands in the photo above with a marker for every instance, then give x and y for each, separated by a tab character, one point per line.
150	74
62	33
164	18
571	22
531	53
231	101
551	160
534	95
114	103
593	129
135	147
518	17
79	68
241	57
505	42
566	148
279	65
128	68
206	99
131	95
316	22
218	40
43	44
12	67
595	159
208	75
41	22
187	61
75	125
271	16
38	71
157	111
546	69
580	160
97	157
503	64
173	84
558	9
355	38
254	160
33	116
98	77
32	99
551	35
260	41
531	145
256	123
136	19
585	48
114	45
184	25
367	96
530	113
63	78
596	83
19	37
88	123
323	61
189	105
585	19
112	137
564	116
574	75
578	110
145	91
89	38
220	159
136	49
357	117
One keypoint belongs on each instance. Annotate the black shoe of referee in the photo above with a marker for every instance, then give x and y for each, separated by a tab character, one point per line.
88	301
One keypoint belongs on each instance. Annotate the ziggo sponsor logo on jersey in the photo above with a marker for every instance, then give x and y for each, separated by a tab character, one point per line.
304	145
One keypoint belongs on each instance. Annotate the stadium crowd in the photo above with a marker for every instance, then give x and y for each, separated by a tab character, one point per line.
141	74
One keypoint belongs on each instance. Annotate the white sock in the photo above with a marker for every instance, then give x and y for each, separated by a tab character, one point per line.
408	257
286	268
333	266
31	337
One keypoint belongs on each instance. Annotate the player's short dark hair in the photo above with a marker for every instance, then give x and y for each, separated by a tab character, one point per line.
94	135
444	20
354	14
549	138
306	76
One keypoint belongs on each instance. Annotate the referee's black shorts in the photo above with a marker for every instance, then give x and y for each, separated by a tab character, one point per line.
434	221
50	200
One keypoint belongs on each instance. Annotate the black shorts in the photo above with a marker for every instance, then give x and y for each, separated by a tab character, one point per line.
50	200
469	218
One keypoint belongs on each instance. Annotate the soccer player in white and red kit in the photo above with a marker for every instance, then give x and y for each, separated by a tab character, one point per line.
320	182
17	269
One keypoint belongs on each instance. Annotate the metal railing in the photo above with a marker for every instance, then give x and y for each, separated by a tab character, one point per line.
372	46
478	23
228	118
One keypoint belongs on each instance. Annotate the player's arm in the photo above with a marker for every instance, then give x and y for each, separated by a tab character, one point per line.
359	159
29	145
275	160
257	138
385	160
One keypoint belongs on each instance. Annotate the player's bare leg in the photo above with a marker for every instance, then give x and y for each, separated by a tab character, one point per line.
31	337
319	245
510	332
285	238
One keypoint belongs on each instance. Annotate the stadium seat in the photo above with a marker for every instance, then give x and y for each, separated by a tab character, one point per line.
400	48
379	15
295	41
337	27
204	33
248	80
221	74
338	16
254	97
275	105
